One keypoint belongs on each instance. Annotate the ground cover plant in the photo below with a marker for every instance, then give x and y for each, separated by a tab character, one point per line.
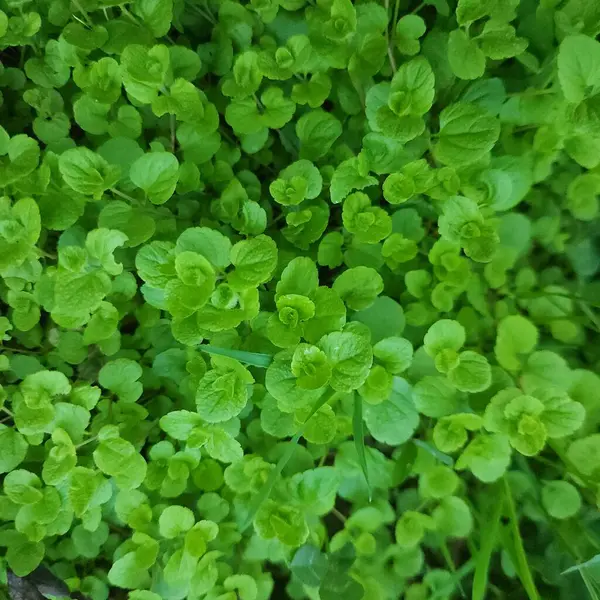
300	299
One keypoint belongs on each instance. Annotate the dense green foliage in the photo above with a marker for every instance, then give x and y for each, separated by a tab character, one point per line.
298	298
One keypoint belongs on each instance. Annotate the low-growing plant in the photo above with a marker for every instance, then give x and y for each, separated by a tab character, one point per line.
300	299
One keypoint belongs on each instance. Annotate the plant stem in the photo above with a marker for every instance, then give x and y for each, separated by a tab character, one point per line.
128	14
387	37
125	196
417	8
201	13
527	93
83	12
88	441
172	124
338	514
395	20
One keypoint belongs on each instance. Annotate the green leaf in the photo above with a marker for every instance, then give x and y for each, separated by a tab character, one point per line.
118	458
516	336
499	41
465	57
254	260
309	565
222	392
310	366
369	224
86	172
175	520
395	353
435	396
299	277
358	287
486	456
156	173
452	517
412	89
560	499
408	31
120	377
24	556
394	420
411	528
23	487
579	67
317	131
350	357
348	176
13	449
584	454
467	133
156	14
473	373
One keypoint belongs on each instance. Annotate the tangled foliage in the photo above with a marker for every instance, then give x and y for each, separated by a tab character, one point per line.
298	298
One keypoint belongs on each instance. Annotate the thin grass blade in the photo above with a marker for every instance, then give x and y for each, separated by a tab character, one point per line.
359	439
256	359
266	489
489	537
522	565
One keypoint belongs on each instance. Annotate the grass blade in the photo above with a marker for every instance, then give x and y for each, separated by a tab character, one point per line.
594	561
441	456
266	489
522	566
451	567
255	359
592	587
359	439
405	462
446	591
489	536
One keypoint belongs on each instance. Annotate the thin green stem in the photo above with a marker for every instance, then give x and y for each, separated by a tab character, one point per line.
395	20
417	8
389	44
338	514
267	488
522	565
228	137
359	439
125	196
545	294
209	11
201	13
451	566
83	12
19	351
527	93
94	438
589	313
172	125
447	591
129	15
